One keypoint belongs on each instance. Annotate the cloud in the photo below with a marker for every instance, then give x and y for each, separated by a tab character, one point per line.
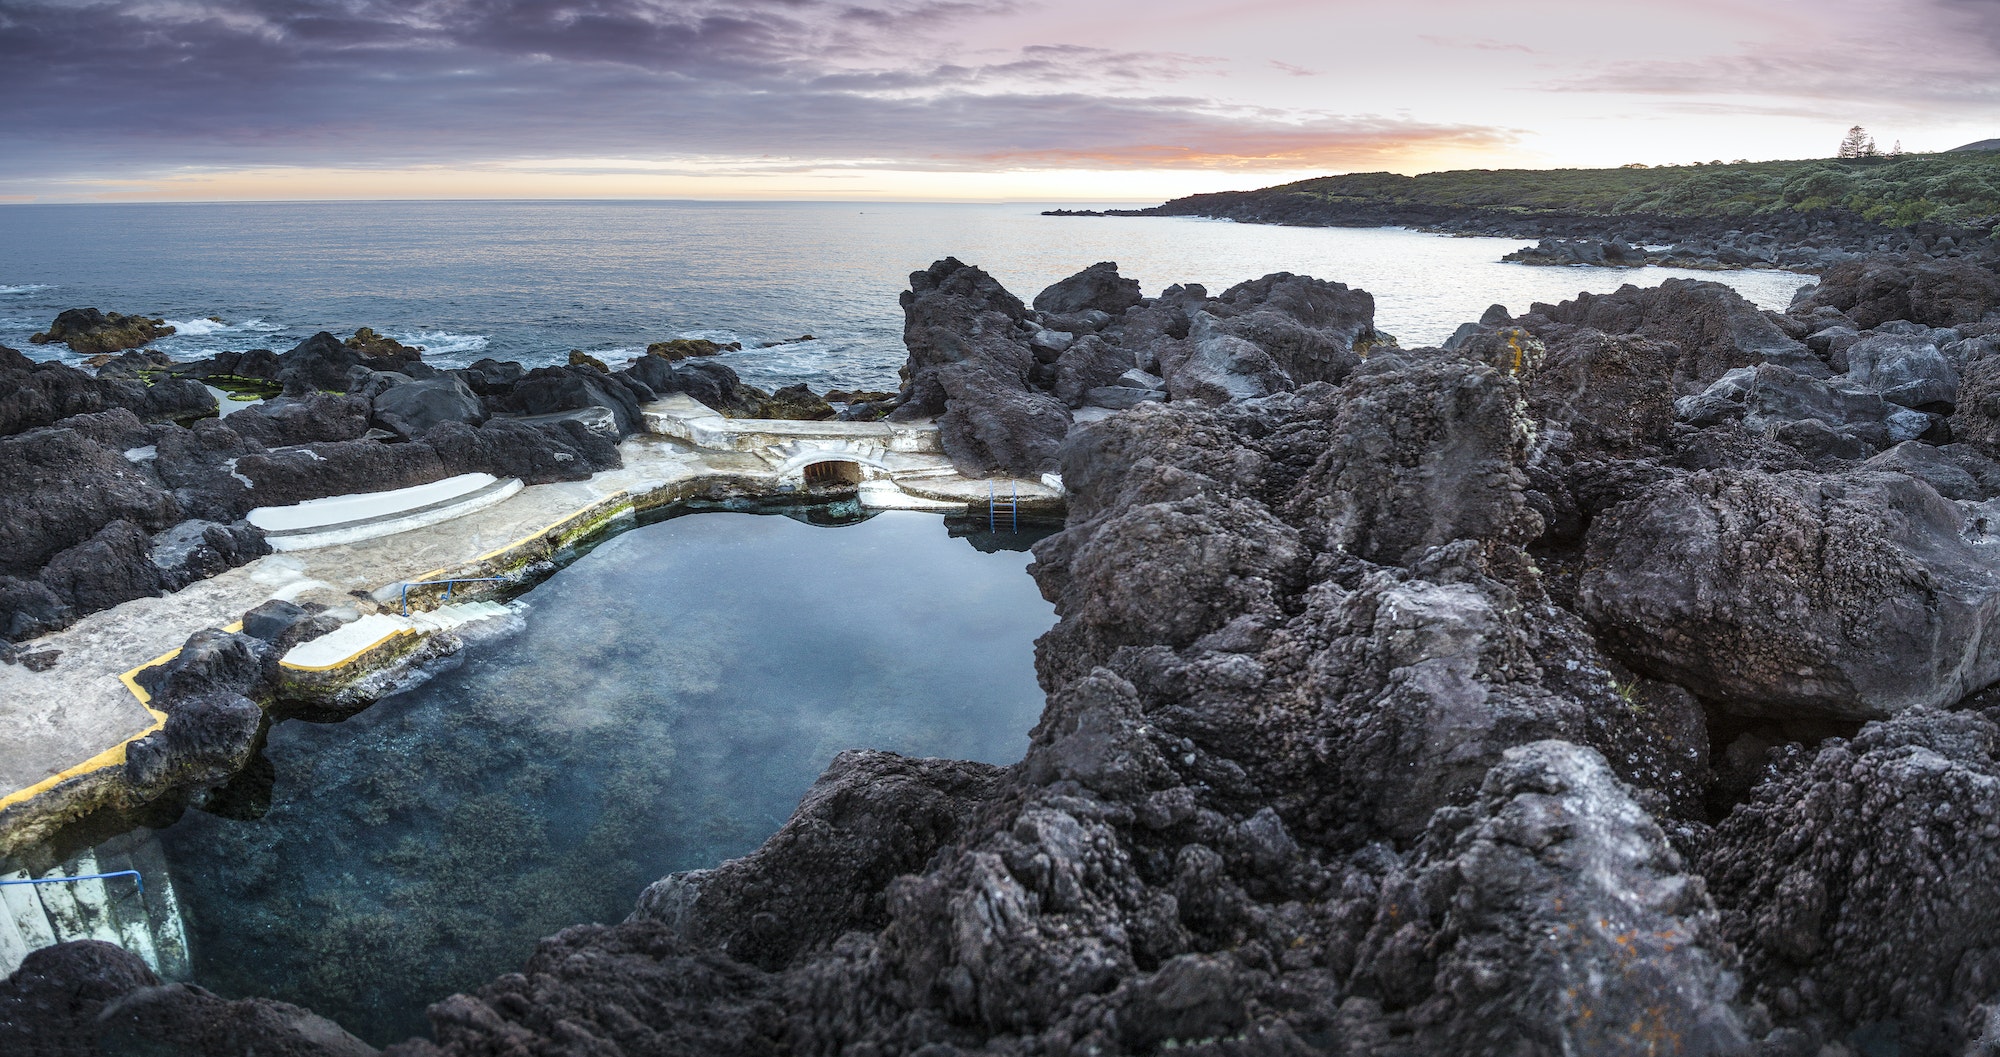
1475	45
102	89
1295	71
1910	54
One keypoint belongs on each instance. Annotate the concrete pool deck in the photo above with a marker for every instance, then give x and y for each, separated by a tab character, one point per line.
67	727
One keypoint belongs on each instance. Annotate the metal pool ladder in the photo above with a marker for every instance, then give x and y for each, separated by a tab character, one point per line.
995	504
448	585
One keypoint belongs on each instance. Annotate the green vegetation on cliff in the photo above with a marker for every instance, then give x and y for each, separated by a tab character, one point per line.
1961	189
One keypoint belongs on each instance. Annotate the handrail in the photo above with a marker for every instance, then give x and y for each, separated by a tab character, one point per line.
133	874
448	584
993	506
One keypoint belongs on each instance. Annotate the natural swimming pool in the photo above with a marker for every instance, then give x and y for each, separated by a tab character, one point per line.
659	704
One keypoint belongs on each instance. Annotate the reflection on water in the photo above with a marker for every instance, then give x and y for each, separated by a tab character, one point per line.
667	701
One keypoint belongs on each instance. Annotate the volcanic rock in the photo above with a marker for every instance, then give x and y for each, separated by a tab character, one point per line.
87	331
411	409
1848	596
1097	288
1715	329
1857	880
970	365
682	348
1932	291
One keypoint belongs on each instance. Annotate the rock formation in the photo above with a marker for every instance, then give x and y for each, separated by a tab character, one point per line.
1379	710
87	331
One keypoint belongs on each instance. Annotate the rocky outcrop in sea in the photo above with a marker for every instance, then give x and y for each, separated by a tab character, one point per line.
1612	680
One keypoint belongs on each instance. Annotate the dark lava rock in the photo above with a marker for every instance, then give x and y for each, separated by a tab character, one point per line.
323	364
196	550
28	608
1558	918
1906	370
1316	331
546	390
1715	329
40	394
1214	366
489	376
957	316
293	475
842	829
212	662
313	419
717	386
1857	881
375	346
1769	397
270	620
1090	363
204	742
1096	288
537	453
1421	457
228	366
993	426
1977	421
411	409
1957	471
683	348
58	489
796	402
1933	291
49	1006
1596	252
114	566
187	1021
87	331
654	372
1607	394
1848	596
970	365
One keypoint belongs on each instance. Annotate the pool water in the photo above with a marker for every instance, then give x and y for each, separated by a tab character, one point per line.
661	704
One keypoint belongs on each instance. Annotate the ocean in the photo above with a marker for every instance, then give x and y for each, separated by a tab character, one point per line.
530	281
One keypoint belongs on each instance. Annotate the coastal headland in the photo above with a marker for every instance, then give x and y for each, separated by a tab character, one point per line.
1611	679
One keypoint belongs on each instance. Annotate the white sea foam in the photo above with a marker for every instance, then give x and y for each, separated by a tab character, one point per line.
621	355
443	342
26	288
203	328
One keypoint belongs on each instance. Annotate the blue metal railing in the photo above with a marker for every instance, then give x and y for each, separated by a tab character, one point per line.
995	504
448	585
133	874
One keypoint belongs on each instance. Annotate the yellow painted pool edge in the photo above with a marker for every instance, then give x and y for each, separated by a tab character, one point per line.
349	659
609	505
115	755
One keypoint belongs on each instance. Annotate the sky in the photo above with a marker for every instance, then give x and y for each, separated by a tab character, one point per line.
1018	100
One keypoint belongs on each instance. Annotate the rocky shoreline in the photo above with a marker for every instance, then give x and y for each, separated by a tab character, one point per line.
1612	679
1801	242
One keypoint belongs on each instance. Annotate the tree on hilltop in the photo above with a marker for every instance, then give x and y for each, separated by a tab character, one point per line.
1857	144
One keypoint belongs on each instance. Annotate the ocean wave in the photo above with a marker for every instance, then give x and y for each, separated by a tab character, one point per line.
26	288
443	342
203	328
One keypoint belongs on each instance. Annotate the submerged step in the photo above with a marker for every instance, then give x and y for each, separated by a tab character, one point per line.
343	644
75	903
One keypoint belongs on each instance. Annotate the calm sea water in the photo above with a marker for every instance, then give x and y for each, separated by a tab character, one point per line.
531	280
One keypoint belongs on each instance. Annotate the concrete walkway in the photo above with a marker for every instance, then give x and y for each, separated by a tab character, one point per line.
74	719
